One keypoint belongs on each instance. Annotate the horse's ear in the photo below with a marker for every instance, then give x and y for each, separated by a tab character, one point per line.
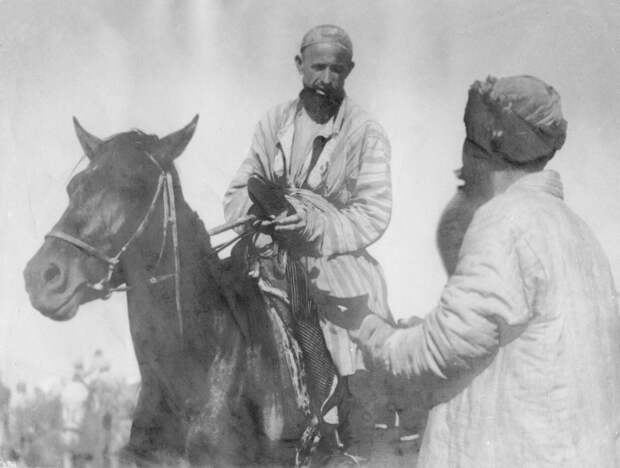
89	142
171	146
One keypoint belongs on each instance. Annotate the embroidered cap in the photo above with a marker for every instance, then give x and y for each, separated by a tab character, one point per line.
518	117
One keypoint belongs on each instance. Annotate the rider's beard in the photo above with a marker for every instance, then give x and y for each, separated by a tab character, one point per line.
321	104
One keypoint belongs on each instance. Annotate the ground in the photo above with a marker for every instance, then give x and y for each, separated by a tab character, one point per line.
399	410
390	452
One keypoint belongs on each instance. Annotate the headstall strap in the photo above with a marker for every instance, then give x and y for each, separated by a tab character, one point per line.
175	249
165	188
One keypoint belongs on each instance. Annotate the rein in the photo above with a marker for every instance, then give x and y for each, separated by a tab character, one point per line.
165	190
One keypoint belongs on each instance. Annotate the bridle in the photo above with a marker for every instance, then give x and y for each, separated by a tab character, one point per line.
165	190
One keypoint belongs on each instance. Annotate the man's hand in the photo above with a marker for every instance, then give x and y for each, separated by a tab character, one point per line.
263	225
291	223
409	322
370	336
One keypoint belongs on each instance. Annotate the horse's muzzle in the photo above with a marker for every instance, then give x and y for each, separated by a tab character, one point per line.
54	281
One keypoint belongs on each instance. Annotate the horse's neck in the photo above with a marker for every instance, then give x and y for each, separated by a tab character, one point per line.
174	354
204	318
202	293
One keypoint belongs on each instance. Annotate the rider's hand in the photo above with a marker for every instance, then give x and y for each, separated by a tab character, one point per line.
263	225
295	222
409	322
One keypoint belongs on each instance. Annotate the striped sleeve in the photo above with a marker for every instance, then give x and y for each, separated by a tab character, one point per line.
236	199
367	214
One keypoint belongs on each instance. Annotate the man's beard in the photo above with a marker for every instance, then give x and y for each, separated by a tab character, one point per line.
321	104
455	220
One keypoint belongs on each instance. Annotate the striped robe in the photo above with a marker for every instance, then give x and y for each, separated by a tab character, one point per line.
347	198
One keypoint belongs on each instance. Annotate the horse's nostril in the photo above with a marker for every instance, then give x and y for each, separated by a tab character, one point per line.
52	273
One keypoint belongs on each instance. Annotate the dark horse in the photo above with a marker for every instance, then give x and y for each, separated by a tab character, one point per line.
215	385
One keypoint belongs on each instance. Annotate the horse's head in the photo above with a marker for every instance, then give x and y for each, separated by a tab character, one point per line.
111	203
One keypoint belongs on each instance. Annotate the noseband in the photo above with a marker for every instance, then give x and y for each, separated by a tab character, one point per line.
165	190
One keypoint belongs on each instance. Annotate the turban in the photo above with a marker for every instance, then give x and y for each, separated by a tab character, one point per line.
519	118
327	33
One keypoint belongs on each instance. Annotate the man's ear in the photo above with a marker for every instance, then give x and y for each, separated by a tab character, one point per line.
298	63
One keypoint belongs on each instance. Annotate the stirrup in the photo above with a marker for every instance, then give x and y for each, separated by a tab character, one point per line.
336	394
307	444
313	437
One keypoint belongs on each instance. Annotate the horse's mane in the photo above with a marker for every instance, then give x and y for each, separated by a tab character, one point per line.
237	290
134	138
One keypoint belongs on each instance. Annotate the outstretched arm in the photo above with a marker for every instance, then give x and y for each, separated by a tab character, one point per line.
485	302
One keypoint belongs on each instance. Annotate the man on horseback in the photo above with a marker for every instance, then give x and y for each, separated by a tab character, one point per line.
318	175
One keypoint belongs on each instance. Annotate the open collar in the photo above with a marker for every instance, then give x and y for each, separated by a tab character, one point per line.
287	130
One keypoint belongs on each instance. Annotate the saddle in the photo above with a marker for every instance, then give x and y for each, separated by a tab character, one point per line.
268	198
288	274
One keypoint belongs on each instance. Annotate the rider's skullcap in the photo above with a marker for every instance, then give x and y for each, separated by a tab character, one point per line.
327	33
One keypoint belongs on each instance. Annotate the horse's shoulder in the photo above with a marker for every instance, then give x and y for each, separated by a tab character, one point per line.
241	290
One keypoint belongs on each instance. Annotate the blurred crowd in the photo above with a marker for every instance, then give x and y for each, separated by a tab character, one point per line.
81	420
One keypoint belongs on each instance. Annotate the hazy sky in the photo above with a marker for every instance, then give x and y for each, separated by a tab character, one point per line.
120	64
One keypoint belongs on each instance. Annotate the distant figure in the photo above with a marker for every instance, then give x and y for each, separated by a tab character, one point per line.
19	426
98	366
73	399
5	398
100	408
94	377
107	458
20	400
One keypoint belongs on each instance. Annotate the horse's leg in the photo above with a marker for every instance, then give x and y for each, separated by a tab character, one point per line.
223	433
276	376
367	403
279	420
155	429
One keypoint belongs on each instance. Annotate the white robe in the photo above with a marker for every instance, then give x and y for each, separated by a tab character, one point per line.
524	344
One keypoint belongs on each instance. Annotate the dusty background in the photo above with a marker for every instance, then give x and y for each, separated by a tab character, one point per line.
119	64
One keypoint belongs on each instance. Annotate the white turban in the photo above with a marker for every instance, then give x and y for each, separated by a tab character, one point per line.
519	118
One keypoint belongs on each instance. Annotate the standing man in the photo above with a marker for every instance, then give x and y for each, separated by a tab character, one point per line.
327	163
5	438
524	345
73	399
